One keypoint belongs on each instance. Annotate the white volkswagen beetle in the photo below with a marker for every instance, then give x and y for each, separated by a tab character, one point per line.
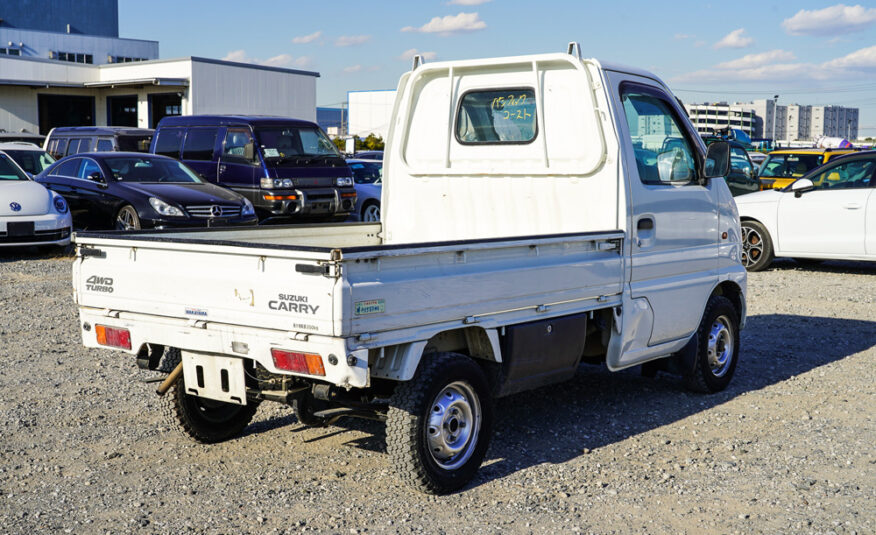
829	213
29	213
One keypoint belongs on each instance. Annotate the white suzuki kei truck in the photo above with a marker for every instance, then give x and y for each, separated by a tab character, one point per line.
539	212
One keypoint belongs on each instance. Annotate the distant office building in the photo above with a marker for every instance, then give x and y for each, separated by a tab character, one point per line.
63	64
805	123
709	117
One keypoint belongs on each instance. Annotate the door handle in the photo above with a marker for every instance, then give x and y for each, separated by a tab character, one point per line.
646	223
852	205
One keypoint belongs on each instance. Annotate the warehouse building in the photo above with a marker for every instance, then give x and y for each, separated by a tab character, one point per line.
101	80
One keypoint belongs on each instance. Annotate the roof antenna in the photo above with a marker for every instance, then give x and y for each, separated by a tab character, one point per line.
418	60
573	46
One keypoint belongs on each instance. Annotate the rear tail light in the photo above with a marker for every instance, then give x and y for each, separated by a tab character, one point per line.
113	337
294	361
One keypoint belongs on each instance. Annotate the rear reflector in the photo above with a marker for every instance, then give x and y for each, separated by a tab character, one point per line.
293	361
113	337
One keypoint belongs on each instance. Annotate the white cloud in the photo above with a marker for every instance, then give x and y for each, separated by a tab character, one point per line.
860	59
734	39
778	65
751	61
352	40
304	39
444	26
409	54
281	60
467	2
353	68
830	20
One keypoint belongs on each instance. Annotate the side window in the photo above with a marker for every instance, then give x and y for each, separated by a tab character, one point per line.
68	168
57	148
739	162
169	141
72	146
848	175
104	145
84	145
234	148
663	154
199	144
88	168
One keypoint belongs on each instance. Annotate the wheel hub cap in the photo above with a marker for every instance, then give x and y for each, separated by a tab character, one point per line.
752	246
452	425
720	347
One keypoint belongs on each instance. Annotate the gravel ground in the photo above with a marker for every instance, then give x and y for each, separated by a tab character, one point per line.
788	448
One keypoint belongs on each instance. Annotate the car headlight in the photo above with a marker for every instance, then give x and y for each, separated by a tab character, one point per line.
342	181
248	208
277	183
60	204
165	209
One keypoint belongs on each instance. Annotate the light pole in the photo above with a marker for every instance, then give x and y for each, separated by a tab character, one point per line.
775	114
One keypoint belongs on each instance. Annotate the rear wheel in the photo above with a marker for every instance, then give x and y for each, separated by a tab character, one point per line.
757	247
439	424
127	218
717	347
206	420
304	407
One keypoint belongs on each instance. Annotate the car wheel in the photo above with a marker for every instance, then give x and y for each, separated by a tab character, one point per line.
717	349
439	424
127	218
757	246
371	212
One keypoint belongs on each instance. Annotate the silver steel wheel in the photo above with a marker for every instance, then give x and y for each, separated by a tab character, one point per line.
371	213
127	219
720	348
453	425
752	246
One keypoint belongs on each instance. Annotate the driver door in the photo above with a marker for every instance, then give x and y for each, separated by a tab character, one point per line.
235	170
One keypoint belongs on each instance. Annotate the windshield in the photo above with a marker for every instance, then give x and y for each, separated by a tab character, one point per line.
8	169
145	169
366	172
789	165
299	144
32	161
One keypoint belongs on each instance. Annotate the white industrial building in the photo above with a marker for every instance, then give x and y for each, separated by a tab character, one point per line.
370	112
710	117
37	94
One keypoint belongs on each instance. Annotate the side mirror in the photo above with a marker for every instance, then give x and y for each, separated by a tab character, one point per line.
717	162
96	177
249	151
801	186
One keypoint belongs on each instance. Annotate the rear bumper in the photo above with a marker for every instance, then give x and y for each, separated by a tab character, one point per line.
223	340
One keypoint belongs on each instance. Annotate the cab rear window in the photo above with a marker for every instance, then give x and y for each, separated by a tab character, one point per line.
501	116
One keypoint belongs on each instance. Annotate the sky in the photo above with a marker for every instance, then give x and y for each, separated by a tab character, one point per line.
807	52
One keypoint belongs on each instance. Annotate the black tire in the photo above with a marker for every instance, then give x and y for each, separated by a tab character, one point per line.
304	407
126	218
205	420
451	389
757	246
715	363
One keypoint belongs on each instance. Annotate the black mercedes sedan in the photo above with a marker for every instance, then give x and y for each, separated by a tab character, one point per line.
132	190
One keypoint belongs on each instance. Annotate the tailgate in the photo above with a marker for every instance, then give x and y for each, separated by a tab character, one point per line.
256	287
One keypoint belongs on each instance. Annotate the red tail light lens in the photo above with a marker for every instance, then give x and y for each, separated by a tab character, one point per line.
293	361
113	336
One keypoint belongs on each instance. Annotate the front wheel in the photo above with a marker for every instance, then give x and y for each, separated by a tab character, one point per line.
371	212
127	218
717	349
757	246
205	420
439	424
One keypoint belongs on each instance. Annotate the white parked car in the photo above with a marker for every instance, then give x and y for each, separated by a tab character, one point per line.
31	158
29	213
830	213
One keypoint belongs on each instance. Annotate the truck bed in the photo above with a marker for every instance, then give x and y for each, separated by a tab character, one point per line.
340	281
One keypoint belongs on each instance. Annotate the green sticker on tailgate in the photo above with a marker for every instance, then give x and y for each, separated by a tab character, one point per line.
372	306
